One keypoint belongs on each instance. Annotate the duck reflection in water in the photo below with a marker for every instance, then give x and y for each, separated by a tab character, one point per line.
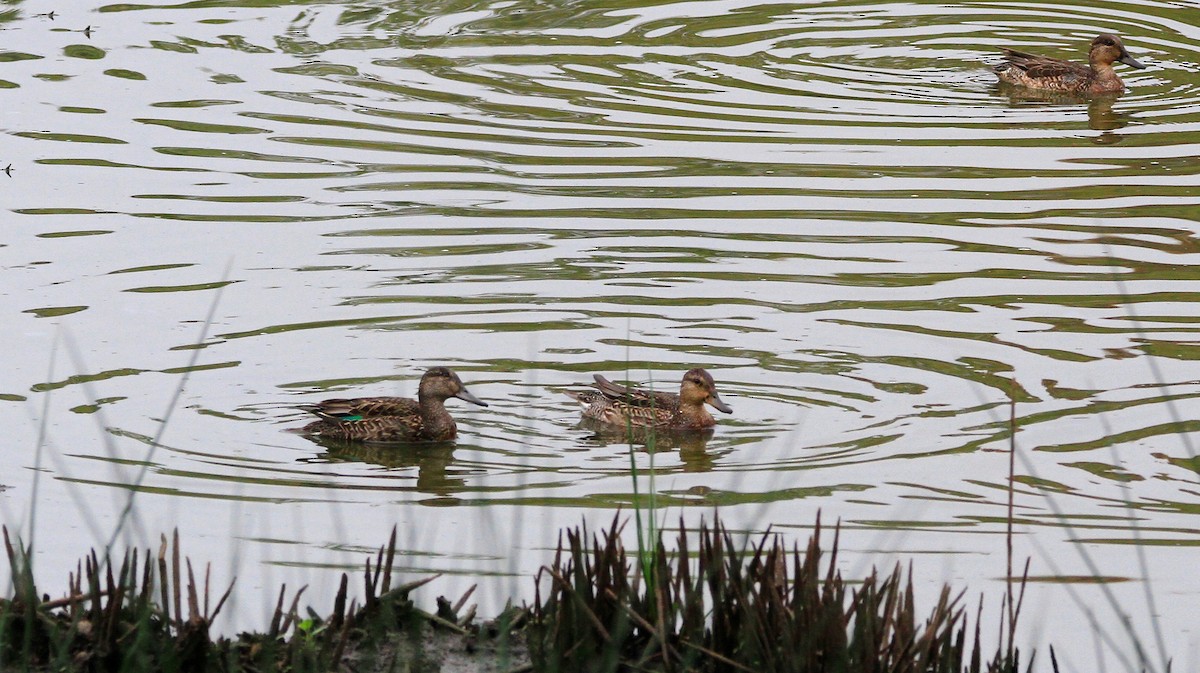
1101	115
433	461
692	444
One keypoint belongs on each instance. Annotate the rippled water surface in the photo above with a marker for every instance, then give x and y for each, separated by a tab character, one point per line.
829	205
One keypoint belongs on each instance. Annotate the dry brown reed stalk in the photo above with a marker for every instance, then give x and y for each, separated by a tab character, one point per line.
1014	602
721	609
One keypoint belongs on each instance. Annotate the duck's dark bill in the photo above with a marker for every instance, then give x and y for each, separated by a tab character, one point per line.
464	395
719	405
1130	61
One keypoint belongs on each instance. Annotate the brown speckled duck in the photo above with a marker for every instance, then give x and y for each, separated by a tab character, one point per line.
394	419
1052	74
621	406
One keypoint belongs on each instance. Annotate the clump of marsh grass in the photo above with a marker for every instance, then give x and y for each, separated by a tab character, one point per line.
109	620
710	607
718	609
132	618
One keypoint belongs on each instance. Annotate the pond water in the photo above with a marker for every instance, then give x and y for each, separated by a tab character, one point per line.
218	211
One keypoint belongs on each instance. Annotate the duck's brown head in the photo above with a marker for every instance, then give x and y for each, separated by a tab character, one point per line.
442	383
698	388
1108	49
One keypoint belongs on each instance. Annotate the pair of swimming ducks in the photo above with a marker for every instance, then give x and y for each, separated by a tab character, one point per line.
425	419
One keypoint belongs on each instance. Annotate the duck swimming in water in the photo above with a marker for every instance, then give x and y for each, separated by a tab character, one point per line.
393	419
619	405
1052	74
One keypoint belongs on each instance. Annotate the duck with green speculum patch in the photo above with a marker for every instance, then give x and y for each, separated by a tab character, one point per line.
393	419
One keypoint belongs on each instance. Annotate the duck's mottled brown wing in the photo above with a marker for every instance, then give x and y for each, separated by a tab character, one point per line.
1044	67
600	406
635	398
364	408
375	429
618	412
